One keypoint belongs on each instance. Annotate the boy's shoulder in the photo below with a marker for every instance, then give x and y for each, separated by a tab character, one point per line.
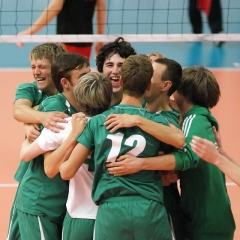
28	85
53	103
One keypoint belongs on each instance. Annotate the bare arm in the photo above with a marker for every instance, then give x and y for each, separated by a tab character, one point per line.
69	168
128	164
101	21
207	151
51	11
220	146
168	134
32	131
30	150
52	160
229	168
23	112
169	177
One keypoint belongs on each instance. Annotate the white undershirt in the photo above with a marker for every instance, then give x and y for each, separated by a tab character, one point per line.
79	202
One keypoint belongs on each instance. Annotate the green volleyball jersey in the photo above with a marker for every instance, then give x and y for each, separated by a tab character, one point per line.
38	194
172	117
31	92
107	147
171	196
205	204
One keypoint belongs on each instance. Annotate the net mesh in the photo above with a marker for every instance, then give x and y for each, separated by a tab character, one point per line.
135	20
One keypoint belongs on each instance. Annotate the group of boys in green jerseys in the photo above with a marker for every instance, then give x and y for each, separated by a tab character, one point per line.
134	184
205	208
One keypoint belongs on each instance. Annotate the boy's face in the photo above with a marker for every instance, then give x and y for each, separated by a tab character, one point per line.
179	99
112	68
41	70
156	82
77	73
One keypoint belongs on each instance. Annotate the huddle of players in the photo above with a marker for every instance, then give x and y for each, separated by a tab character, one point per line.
99	175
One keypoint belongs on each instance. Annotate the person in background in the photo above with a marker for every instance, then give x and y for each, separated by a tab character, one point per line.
213	11
73	17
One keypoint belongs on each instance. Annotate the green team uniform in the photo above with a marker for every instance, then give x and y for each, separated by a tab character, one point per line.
131	201
31	92
205	205
171	194
39	195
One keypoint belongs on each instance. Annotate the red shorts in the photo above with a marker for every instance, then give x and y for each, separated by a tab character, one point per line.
85	51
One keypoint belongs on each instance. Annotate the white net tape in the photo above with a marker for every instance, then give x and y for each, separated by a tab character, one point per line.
128	37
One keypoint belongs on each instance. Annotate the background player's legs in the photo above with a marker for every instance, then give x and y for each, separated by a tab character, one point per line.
85	51
215	17
195	17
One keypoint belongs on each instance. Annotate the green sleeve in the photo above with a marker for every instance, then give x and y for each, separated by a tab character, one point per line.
185	157
87	138
26	91
51	104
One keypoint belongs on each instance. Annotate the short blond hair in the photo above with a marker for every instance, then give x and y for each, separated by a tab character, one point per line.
93	93
47	51
156	54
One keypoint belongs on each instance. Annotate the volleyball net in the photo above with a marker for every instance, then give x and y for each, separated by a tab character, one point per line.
134	20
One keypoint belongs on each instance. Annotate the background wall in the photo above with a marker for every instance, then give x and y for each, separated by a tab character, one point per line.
168	16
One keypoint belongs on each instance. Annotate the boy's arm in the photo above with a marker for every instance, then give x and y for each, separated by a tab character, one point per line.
228	167
208	152
220	146
51	11
30	150
168	134
128	164
23	112
69	168
52	160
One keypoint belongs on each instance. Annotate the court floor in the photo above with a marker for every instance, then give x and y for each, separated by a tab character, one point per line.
12	135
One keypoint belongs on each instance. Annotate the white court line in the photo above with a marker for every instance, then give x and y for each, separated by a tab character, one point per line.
9	185
231	184
16	184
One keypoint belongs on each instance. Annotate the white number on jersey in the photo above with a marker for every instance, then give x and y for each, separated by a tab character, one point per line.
117	142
